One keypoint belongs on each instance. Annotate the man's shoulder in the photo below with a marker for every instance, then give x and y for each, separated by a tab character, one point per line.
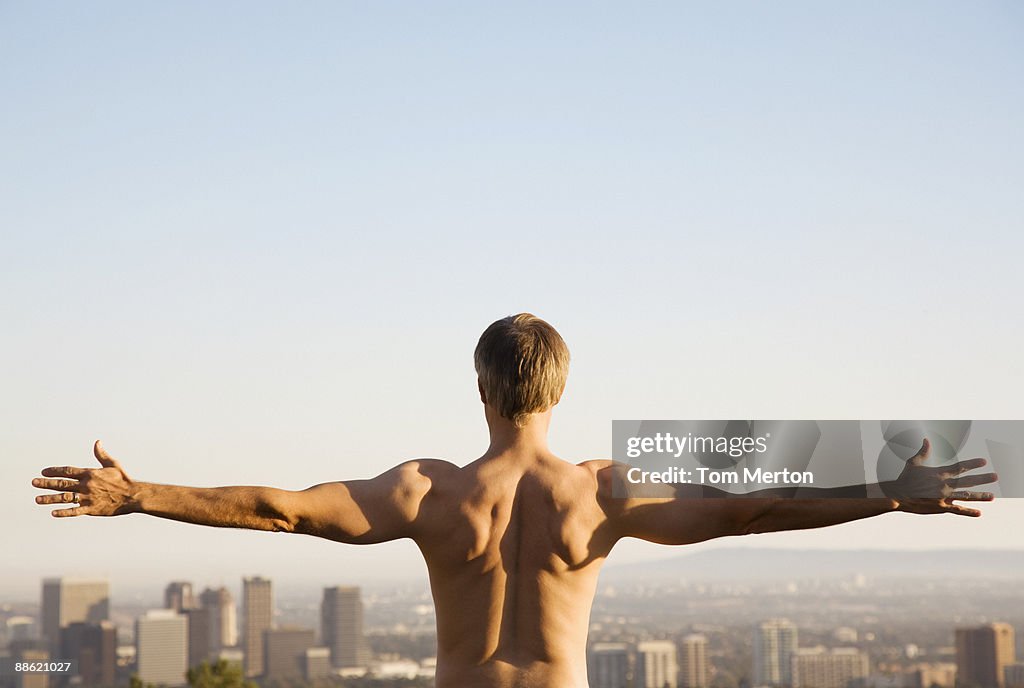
595	465
602	469
424	472
605	472
427	466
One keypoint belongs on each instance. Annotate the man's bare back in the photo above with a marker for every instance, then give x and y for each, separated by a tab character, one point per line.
518	539
513	541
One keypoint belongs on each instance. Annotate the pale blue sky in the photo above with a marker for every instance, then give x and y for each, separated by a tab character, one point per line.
256	242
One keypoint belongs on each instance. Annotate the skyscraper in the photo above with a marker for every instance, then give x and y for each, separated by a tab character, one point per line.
774	644
94	647
982	653
161	647
178	596
66	600
608	665
284	652
222	616
199	649
258	610
693	662
341	626
655	664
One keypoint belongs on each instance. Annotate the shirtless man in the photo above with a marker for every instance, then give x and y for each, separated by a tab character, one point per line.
513	541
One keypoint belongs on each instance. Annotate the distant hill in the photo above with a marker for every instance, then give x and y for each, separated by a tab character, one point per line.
767	564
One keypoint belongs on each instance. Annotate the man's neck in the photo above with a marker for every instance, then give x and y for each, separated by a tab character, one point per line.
507	438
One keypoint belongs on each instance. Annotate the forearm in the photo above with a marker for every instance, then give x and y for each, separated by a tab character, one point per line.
256	508
857	491
777	514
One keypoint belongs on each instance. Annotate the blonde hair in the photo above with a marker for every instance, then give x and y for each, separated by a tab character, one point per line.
522	363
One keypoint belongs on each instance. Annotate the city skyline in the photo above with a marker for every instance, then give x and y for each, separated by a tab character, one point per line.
641	650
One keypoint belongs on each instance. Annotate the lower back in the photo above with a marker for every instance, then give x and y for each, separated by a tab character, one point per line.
497	673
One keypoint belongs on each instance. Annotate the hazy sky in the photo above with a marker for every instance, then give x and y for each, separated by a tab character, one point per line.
256	242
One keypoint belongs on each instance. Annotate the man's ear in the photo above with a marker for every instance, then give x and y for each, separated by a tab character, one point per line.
479	386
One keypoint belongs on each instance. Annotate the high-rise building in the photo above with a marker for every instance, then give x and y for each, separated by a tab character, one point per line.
774	644
608	665
94	648
693	662
284	652
66	601
341	626
199	649
982	653
222	616
161	647
821	668
178	596
258	611
655	664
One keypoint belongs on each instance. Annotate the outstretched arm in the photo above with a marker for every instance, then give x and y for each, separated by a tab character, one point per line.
357	511
698	513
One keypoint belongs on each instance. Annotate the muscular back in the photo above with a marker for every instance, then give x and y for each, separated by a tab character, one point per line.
513	545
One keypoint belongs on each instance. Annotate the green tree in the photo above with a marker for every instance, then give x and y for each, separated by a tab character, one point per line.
136	682
222	674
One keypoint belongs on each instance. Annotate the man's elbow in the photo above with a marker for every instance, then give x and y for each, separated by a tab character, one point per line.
753	527
280	525
758	521
278	511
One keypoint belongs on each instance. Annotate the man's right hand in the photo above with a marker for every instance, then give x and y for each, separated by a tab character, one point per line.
924	489
105	491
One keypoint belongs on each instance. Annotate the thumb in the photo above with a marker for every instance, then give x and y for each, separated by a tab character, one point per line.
105	459
921	456
962	511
